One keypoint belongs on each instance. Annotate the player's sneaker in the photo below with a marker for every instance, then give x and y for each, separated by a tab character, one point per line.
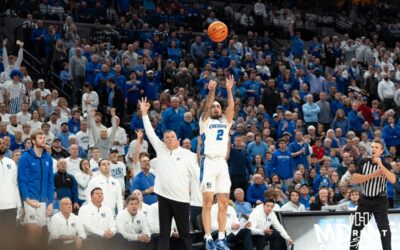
222	244
210	245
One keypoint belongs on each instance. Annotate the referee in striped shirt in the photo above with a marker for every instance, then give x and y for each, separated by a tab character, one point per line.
372	175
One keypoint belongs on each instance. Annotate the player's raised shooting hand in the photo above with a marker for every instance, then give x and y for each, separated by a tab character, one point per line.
230	81
144	106
212	85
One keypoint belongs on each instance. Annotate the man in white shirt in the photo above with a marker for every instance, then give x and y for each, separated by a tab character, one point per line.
120	138
94	162
174	171
10	199
24	116
43	91
110	187
73	160
133	226
118	168
261	222
235	230
98	221
65	228
294	205
83	136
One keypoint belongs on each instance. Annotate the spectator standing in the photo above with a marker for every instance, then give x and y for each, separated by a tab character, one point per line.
10	201
300	150
391	134
311	111
172	117
115	98
257	147
386	90
77	71
198	51
109	186
9	62
118	168
324	116
14	92
282	162
65	184
36	185
239	165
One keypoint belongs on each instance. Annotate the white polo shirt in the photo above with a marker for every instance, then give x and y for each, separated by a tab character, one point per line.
97	220
131	226
61	226
9	197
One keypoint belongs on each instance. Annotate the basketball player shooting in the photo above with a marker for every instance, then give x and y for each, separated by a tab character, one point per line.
372	175
214	174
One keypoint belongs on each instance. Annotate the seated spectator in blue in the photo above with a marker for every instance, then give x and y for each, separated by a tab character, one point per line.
286	84
334	159
186	128
257	147
74	124
255	192
248	62
134	90
321	180
252	86
63	135
212	60
172	117
257	163
136	121
391	133
313	164
174	52
144	181
18	143
151	83
282	161
356	119
224	60
305	194
341	121
65	184
241	206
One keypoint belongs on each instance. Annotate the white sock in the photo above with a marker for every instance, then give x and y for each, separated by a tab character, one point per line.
221	235
207	237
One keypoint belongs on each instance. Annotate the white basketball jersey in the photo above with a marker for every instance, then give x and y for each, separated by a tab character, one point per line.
215	135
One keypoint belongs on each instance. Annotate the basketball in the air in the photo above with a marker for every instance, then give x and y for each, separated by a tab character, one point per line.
217	31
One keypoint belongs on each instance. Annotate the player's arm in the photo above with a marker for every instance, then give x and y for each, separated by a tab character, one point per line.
212	85
231	103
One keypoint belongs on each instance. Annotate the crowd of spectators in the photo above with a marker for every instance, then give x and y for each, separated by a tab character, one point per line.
303	118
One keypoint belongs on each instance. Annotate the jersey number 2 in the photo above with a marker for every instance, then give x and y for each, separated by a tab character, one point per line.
220	133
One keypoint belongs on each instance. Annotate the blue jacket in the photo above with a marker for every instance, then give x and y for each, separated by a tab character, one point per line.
335	105
283	163
35	176
291	127
239	163
256	192
185	131
91	73
136	122
391	136
172	119
320	180
254	149
151	86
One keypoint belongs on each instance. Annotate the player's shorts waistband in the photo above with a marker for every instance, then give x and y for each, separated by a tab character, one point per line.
214	157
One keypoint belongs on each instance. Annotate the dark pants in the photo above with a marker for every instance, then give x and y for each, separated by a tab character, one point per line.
242	240
168	209
77	91
194	212
8	228
275	239
238	181
387	103
367	207
125	244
